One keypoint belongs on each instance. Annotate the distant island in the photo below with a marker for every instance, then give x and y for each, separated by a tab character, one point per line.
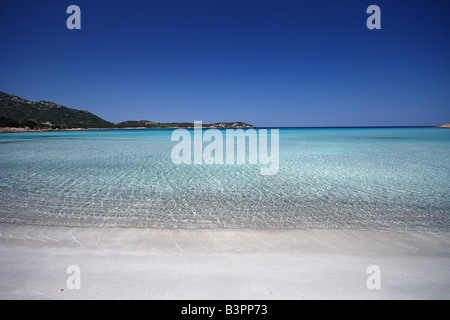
444	126
21	115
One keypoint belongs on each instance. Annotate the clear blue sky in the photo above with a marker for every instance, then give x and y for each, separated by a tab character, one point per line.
269	63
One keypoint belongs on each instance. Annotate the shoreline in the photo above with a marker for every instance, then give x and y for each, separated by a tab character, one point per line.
221	264
19	130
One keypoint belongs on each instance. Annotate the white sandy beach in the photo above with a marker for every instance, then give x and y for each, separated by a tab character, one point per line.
220	264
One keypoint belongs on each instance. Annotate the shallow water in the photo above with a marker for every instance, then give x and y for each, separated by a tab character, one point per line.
354	178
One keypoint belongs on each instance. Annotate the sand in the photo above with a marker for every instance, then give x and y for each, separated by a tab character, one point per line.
221	264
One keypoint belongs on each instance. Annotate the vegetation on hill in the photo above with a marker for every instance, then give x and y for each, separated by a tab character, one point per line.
21	113
150	124
32	124
16	108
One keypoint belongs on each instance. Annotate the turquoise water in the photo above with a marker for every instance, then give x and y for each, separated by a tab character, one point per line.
371	179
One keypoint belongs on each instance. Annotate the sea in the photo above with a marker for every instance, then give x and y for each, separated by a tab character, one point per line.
382	179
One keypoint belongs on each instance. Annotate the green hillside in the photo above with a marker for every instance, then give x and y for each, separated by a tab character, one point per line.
16	108
19	112
150	124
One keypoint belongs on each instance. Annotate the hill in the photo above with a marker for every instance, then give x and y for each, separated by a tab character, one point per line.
16	112
150	124
16	108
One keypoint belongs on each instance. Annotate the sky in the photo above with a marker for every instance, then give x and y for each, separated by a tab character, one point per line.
267	62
